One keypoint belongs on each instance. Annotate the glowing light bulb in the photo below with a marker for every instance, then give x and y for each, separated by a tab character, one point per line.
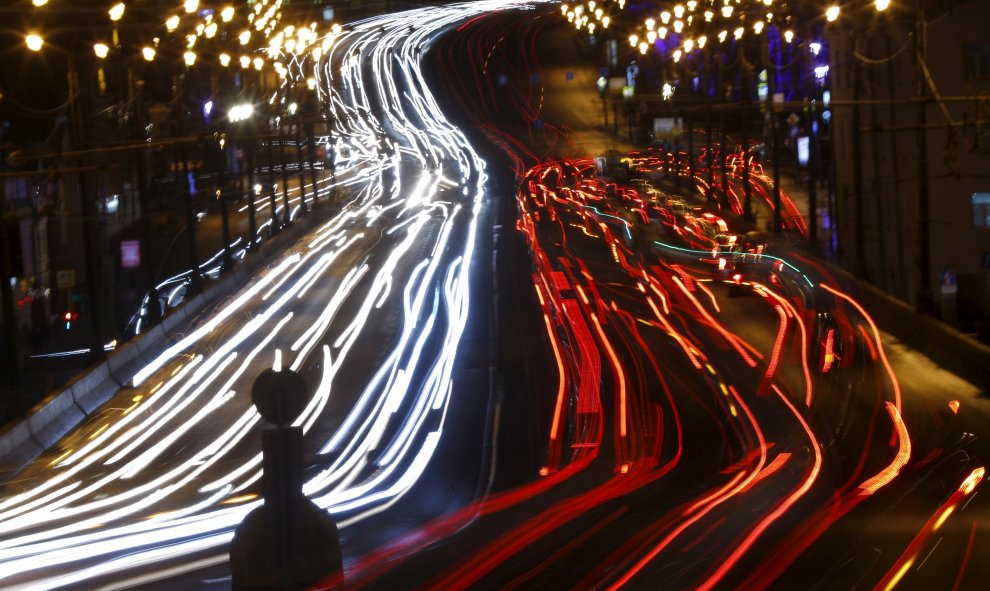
34	42
116	11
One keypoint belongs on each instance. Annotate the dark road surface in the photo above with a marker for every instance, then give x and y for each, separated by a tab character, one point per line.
527	375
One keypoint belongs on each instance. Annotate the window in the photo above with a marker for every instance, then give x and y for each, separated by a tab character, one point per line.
981	210
976	61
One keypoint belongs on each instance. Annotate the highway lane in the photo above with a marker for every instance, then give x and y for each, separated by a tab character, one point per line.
371	308
686	446
797	439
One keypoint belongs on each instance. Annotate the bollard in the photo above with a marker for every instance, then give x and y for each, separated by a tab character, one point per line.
288	542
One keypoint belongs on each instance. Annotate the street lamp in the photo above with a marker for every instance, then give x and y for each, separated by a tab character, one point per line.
34	41
116	11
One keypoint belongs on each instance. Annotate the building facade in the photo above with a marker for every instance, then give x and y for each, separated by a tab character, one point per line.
911	129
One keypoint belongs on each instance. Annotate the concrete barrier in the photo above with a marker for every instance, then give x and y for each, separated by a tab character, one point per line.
943	344
151	343
90	397
175	319
53	418
16	448
121	357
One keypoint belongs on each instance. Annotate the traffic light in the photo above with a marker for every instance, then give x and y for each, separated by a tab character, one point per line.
69	318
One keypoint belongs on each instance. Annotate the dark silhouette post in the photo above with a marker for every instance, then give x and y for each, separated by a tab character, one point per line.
272	182
312	156
11	361
249	144
194	286
302	171
228	260
288	542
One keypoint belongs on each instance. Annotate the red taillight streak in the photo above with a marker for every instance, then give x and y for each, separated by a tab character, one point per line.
868	341
677	337
778	342
898	569
561	375
620	375
703	506
829	353
735	341
808	392
886	475
781	509
879	342
590	375
711	296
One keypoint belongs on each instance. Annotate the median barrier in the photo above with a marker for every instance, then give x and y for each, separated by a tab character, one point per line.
16	448
50	420
175	319
95	389
123	357
149	346
53	417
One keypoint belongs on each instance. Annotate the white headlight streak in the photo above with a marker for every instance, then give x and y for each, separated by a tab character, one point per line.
391	268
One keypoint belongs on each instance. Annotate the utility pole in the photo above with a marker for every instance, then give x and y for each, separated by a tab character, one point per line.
811	120
92	274
924	263
11	358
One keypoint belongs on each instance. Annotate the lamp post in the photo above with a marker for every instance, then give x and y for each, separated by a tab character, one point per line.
925	304
36	43
11	367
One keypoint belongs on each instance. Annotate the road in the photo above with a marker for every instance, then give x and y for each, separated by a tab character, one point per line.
704	432
371	308
517	381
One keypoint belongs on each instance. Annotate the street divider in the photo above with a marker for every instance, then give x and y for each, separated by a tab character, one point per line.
61	411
